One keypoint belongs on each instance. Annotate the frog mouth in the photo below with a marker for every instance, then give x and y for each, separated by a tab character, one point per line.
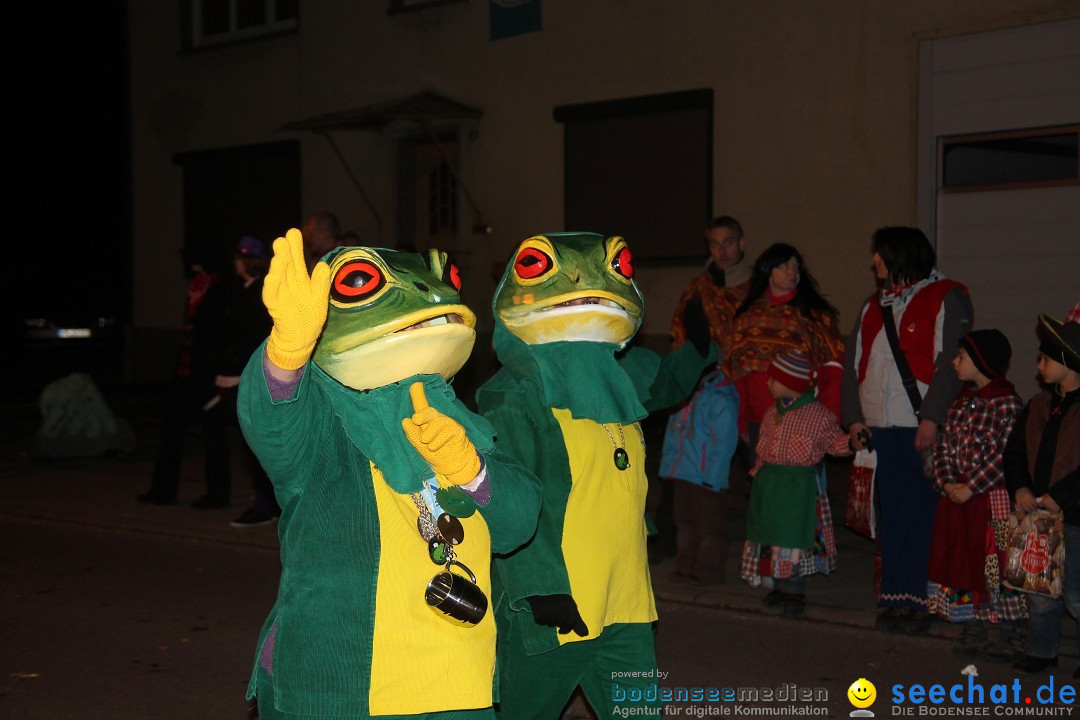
584	301
588	315
447	319
429	341
588	306
590	300
430	318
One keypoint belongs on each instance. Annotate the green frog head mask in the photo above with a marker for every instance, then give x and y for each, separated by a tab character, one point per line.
570	287
393	315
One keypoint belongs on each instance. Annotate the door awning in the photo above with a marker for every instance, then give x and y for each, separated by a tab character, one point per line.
425	108
427	111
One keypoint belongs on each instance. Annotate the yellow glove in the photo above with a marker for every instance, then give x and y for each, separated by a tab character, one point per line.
297	303
440	440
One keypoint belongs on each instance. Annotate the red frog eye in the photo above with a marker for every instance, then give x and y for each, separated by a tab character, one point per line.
454	275
531	263
624	263
356	280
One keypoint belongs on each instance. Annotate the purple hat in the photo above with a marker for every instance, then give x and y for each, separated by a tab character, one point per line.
251	247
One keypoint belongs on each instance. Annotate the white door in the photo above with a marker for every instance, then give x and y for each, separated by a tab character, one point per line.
1018	250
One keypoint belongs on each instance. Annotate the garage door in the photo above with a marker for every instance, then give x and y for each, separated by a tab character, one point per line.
1005	223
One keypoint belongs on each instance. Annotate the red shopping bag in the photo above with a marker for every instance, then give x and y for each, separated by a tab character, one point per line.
859	515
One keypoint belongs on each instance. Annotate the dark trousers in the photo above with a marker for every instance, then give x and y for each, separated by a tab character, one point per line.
700	542
184	406
615	671
907	503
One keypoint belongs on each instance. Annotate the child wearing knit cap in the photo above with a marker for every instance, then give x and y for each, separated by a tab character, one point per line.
1042	471
967	549
789	525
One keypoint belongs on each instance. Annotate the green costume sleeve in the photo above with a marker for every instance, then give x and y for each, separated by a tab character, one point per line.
537	568
279	431
511	513
665	380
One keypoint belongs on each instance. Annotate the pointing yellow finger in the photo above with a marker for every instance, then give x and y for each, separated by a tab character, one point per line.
419	399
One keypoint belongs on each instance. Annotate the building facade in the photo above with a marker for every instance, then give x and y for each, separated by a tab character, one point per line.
423	122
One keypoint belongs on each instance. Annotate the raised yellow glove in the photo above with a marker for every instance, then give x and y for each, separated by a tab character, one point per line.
440	440
296	302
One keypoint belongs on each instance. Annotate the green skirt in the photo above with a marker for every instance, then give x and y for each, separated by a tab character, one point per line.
783	506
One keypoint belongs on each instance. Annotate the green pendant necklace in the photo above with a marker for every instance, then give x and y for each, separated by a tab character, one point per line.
620	456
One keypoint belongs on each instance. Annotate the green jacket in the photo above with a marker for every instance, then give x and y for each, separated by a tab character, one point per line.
526	429
323	620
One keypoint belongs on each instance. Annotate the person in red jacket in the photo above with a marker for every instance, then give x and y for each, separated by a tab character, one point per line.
901	416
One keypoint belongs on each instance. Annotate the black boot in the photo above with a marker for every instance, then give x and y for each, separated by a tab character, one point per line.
888	619
914	621
1032	664
794	604
1009	646
974	638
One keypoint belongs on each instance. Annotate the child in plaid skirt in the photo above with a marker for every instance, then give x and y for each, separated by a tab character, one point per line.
789	526
968	542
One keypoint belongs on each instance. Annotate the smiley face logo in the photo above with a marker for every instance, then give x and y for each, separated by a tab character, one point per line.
862	693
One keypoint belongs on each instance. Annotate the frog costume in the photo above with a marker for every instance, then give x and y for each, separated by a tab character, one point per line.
575	604
379	470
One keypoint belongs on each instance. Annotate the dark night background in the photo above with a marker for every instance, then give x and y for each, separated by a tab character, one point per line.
68	239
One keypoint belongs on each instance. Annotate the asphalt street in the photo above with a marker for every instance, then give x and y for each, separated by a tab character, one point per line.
108	624
122	623
112	609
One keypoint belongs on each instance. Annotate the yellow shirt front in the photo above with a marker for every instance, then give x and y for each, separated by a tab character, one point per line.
420	662
604	531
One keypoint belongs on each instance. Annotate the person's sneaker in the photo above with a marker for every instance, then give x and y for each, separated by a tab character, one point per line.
209	503
773	603
1032	664
253	517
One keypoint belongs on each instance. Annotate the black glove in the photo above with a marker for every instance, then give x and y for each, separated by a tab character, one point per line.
558	611
696	326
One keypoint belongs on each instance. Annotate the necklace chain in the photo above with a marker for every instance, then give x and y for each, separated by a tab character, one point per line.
622	438
620	457
428	529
